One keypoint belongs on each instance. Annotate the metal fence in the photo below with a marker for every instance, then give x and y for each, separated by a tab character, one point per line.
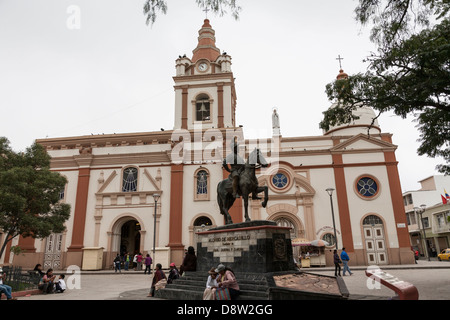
20	280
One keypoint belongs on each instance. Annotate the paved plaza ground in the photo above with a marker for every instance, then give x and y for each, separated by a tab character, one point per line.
432	279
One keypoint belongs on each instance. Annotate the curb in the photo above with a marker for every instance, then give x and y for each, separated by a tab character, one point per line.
24	293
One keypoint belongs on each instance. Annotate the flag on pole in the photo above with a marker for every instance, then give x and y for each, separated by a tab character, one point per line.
447	196
444	200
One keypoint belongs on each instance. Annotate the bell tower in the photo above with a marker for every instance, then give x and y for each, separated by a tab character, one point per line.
205	95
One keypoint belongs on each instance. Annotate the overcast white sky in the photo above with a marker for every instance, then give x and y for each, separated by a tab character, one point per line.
114	74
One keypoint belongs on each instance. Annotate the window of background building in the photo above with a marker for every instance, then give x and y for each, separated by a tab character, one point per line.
407	199
411	218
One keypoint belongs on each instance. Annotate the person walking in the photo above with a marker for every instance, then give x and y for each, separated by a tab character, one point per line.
337	266
345	259
148	264
117	263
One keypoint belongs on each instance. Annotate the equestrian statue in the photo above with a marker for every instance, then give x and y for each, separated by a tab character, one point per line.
242	181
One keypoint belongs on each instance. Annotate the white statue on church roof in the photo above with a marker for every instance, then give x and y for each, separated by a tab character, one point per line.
275	119
275	123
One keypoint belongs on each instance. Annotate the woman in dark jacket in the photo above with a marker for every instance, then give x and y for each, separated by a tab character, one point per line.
189	262
158	276
337	266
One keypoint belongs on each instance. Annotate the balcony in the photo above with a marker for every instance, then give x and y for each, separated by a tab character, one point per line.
413	228
441	228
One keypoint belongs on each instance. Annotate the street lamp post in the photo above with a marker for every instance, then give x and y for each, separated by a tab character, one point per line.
156	198
330	193
420	211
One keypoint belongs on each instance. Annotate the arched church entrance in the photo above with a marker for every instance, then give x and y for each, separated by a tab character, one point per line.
127	234
375	241
130	237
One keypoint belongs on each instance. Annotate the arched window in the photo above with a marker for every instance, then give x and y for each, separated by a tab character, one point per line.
372	220
329	237
202	221
201	184
202	108
285	222
130	179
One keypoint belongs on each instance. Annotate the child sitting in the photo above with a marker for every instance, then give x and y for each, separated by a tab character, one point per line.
60	284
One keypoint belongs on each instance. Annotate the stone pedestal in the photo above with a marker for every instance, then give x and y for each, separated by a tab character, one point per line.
256	246
92	258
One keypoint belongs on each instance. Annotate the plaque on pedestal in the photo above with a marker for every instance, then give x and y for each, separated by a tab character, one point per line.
255	246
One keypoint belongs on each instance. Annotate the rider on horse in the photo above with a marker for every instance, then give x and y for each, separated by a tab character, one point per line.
237	165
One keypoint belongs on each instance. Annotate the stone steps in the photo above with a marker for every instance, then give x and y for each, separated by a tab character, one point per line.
192	285
183	294
257	287
201	285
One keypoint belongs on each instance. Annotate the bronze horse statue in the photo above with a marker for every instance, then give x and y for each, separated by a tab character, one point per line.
248	184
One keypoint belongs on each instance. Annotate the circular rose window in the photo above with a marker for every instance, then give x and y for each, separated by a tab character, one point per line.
367	187
280	180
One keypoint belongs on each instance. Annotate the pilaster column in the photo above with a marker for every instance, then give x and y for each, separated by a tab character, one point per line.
176	214
397	199
27	244
342	199
79	219
310	225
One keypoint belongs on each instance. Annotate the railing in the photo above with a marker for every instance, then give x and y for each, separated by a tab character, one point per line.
19	280
440	229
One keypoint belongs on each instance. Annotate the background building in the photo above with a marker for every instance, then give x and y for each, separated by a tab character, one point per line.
431	200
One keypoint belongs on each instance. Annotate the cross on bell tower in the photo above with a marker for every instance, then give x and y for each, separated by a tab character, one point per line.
206	12
340	59
342	74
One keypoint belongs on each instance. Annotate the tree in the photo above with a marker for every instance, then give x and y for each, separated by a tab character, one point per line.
153	7
29	194
408	75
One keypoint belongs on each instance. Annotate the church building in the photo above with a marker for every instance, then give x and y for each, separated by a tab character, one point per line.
138	191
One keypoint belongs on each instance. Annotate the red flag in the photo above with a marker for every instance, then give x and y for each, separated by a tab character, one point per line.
444	201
